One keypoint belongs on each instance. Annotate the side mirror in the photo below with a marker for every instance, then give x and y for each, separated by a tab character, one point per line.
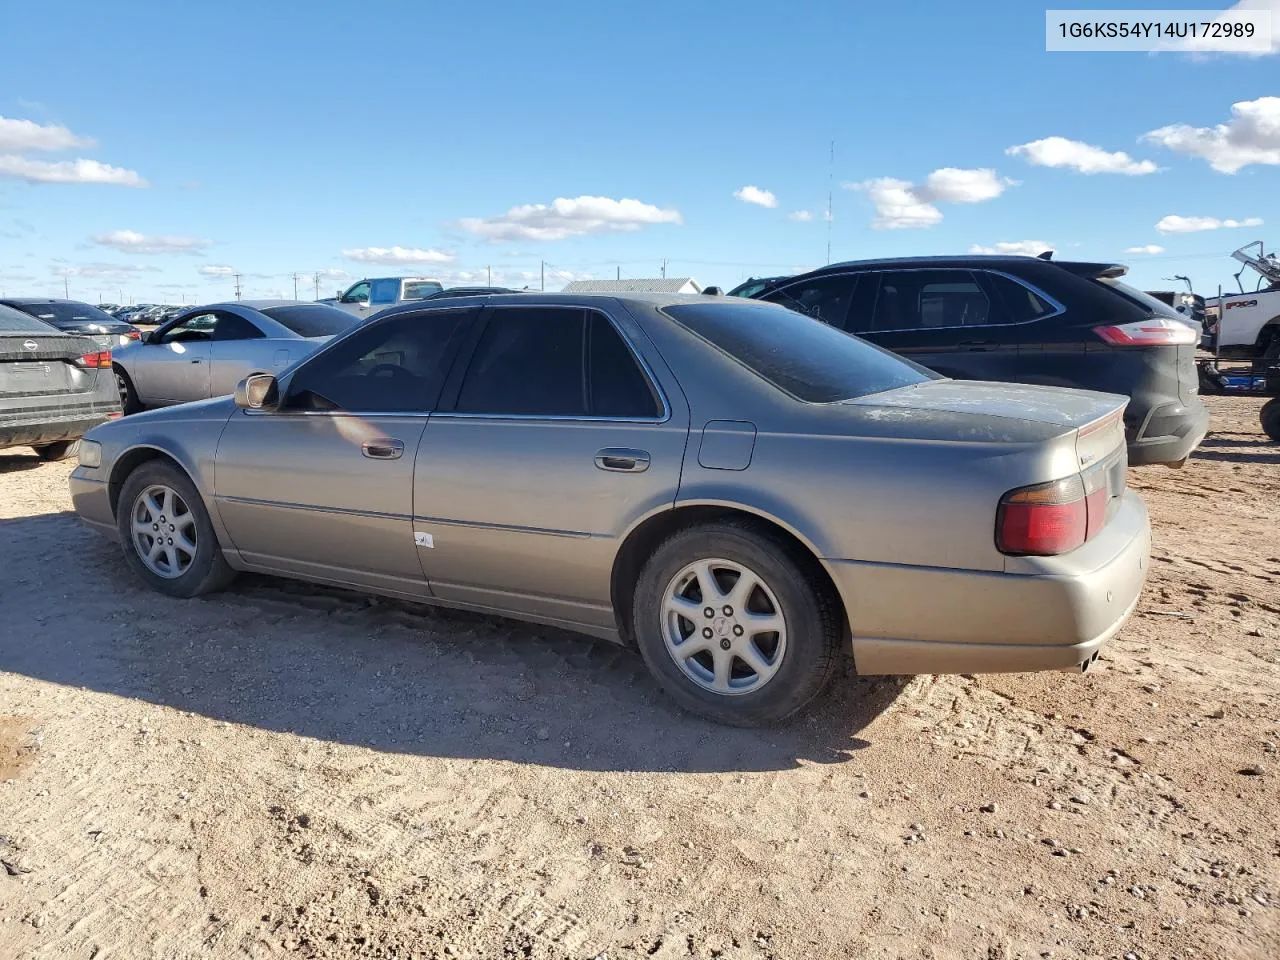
258	391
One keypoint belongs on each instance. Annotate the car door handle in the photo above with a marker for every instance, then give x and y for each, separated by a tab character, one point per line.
383	448
622	460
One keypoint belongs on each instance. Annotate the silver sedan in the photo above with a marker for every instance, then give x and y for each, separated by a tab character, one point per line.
735	489
205	351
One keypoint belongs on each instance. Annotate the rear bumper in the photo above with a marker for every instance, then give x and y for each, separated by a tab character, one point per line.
47	430
1167	433
1043	613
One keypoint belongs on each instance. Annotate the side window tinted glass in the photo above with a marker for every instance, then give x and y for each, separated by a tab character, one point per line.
616	385
228	326
358	293
384	291
929	299
862	309
397	366
528	361
823	298
1020	303
192	329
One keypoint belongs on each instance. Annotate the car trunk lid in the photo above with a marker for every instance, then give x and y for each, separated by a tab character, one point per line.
39	365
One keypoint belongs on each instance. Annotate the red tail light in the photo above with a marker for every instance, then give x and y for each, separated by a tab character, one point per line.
99	360
1153	332
134	335
1043	520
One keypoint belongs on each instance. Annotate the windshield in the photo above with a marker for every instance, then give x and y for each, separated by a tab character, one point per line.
63	314
312	319
1158	307
420	289
12	321
801	356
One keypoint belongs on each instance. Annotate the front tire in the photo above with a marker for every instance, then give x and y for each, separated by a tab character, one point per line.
1270	418
736	624
57	451
166	533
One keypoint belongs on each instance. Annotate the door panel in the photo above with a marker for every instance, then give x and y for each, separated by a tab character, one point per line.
173	372
521	517
233	360
315	494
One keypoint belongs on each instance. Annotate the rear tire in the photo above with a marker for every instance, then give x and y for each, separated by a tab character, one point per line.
57	451
129	402
166	533
1270	418
734	669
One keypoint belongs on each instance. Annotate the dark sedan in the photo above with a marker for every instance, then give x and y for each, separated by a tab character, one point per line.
81	319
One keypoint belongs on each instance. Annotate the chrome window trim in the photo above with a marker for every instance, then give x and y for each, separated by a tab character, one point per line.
645	370
1058	308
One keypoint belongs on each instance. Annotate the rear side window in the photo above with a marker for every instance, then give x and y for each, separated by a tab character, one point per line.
312	319
397	366
803	357
930	299
420	289
1020	303
554	362
384	291
823	298
231	327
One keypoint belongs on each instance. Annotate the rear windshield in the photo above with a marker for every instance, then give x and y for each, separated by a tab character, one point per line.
1141	298
312	319
14	321
66	314
803	357
421	289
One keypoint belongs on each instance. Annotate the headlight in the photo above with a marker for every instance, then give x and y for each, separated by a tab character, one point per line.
90	454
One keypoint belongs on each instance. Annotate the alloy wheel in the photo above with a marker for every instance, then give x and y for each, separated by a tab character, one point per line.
164	531
723	626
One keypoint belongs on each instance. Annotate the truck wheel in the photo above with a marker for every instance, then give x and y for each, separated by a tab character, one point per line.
57	451
1270	418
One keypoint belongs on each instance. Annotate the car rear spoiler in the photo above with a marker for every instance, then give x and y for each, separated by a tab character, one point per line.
1094	271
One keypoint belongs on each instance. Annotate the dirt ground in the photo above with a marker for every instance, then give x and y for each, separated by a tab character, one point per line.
280	770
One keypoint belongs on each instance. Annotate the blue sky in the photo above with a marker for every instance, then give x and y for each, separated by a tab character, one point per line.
441	139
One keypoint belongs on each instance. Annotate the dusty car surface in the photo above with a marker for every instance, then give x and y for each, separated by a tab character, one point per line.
736	489
205	351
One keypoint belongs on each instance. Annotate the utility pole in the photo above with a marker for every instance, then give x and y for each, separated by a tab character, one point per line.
664	268
317	279
237	276
489	269
542	275
831	176
66	286
295	285
618	273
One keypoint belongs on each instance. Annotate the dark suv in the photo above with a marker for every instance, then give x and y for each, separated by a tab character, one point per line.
1025	320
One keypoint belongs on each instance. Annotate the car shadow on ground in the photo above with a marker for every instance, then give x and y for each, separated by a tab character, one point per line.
340	666
14	462
1261	453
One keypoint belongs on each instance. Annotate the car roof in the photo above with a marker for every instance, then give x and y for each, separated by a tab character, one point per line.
83	303
535	298
252	304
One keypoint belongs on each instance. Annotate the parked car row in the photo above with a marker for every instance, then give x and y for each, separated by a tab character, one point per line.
736	488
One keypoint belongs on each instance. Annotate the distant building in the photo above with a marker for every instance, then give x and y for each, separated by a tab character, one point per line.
637	285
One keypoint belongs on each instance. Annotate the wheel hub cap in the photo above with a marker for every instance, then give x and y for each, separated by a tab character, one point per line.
164	532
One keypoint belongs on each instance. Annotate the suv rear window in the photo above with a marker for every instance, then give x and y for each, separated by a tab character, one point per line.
802	357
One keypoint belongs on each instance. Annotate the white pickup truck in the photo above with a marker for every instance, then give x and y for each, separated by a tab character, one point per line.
370	295
1246	326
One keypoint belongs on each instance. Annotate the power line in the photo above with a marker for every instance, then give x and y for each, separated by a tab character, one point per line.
237	276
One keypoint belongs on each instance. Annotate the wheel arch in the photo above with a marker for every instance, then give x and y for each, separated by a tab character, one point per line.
640	542
131	460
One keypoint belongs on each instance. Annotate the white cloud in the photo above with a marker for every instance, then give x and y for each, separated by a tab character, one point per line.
1149	250
954	185
1025	248
1198	44
23	136
67	171
216	270
800	216
1080	156
757	195
130	241
565	217
1252	135
397	256
901	204
332	273
1176	224
102	271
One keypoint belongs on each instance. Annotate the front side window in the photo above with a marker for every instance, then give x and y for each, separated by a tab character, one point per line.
384	291
357	294
929	299
397	366
195	328
809	360
823	298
